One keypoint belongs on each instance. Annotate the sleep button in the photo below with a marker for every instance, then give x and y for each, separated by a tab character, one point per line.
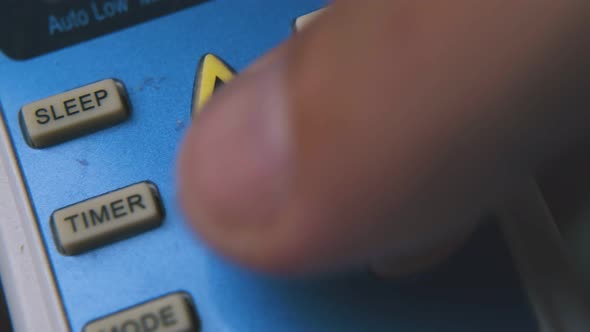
107	218
170	313
74	113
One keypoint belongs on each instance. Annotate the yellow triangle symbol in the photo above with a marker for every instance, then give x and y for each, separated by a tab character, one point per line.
213	73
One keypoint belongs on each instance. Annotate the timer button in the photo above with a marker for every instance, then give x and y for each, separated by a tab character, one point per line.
107	218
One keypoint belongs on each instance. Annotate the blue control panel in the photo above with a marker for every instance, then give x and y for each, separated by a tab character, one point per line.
157	59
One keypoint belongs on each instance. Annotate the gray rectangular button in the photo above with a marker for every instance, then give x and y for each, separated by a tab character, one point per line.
170	313
74	113
305	20
107	218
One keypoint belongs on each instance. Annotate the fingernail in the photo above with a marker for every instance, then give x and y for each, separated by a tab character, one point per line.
235	160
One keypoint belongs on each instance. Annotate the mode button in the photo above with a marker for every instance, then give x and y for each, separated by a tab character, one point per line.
170	313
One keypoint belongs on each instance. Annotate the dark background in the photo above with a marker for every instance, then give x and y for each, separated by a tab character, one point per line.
27	22
4	319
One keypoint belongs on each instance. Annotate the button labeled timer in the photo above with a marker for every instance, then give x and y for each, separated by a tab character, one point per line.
107	218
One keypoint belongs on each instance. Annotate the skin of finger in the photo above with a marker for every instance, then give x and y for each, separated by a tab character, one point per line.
403	122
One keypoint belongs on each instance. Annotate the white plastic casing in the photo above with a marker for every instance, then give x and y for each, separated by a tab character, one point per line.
29	287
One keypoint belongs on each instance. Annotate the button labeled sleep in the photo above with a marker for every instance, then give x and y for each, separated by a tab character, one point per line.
170	313
107	218
74	113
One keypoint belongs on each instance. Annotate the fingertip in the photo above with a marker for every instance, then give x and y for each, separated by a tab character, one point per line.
292	168
234	162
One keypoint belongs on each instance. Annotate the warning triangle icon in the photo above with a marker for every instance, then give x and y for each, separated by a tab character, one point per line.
212	74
